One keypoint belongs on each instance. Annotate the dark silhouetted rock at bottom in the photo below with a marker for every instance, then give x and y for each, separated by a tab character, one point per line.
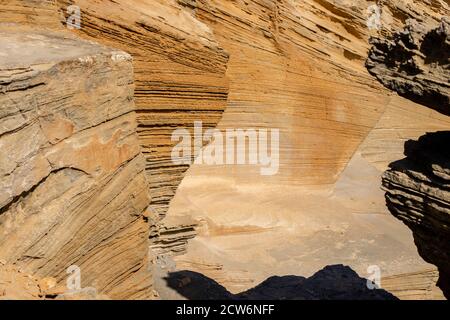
336	282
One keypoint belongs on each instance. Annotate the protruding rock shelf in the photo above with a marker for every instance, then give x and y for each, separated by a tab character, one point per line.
415	62
418	192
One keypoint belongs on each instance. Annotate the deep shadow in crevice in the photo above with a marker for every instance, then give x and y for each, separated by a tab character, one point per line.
334	282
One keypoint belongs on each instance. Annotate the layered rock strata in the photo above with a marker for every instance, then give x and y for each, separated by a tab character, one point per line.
415	62
418	193
179	76
300	66
73	188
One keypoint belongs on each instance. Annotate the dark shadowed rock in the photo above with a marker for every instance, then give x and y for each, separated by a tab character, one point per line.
415	63
418	193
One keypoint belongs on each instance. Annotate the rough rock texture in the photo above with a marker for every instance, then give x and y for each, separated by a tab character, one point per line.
15	284
418	193
179	76
171	238
415	62
293	65
36	12
300	66
414	286
73	188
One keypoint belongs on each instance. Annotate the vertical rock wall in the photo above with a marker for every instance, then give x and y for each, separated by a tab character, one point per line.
73	188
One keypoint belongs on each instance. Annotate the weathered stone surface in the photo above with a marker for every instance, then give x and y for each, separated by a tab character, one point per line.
415	63
73	187
171	238
179	76
15	284
418	193
40	13
419	285
300	66
294	65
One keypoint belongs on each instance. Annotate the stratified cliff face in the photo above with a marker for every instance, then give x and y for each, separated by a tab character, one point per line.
73	188
416	63
300	66
418	193
77	192
179	76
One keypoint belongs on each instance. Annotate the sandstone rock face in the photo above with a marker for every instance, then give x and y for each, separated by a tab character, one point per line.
77	192
179	76
36	12
73	188
416	63
418	193
179	79
300	66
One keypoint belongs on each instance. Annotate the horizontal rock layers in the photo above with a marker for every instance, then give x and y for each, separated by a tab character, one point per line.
73	188
300	66
418	193
179	73
415	62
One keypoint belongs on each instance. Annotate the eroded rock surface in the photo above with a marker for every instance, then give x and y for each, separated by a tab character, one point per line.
418	193
73	188
179	76
415	63
300	66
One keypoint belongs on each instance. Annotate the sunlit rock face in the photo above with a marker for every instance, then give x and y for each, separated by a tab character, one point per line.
179	72
418	193
73	188
300	66
77	192
179	77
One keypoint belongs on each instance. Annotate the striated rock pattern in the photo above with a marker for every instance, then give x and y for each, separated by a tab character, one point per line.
179	76
415	63
299	66
294	65
418	193
73	188
171	238
36	12
414	285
